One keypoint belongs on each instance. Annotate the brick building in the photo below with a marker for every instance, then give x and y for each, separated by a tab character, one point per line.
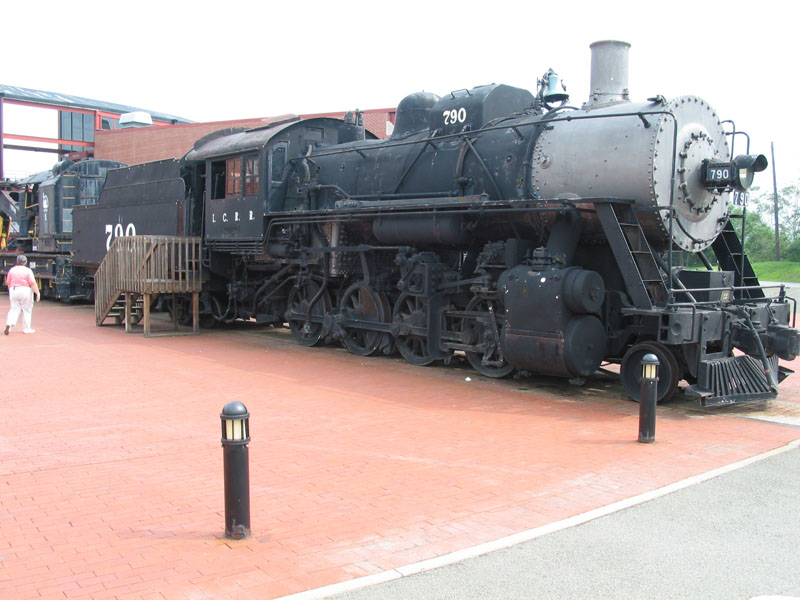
145	144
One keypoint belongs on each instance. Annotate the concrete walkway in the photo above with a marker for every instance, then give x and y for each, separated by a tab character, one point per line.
733	537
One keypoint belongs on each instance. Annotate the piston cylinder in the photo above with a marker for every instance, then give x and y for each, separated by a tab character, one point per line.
544	330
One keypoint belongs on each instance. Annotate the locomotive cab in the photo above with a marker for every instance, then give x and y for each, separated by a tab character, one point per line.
250	174
232	197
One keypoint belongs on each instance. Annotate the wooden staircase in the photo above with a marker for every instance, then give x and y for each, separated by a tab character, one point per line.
118	310
139	267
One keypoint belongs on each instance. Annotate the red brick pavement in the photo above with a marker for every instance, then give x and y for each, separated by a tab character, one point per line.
111	467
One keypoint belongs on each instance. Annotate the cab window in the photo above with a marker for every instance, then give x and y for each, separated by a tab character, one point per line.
251	175
217	187
233	177
278	163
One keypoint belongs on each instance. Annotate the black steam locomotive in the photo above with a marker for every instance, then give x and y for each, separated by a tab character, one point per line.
42	207
494	224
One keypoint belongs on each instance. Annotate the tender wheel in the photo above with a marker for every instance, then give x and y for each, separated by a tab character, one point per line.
184	309
480	332
307	333
631	370
210	309
362	303
410	321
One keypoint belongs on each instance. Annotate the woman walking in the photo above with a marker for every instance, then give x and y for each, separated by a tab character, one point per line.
22	288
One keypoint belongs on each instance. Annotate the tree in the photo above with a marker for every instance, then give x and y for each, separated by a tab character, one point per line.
759	240
762	211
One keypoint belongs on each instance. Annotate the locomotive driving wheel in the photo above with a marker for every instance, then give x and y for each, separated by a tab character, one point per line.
362	304
307	332
483	331
410	324
631	370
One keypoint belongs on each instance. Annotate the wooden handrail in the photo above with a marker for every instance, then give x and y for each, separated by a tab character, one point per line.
147	264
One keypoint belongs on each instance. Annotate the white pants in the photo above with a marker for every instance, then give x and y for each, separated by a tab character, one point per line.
21	299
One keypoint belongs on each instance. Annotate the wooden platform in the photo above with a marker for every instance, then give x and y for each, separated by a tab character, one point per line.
147	266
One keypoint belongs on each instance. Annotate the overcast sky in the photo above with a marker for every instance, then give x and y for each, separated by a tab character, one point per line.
228	60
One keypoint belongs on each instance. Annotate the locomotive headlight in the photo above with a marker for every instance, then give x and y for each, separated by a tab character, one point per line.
746	166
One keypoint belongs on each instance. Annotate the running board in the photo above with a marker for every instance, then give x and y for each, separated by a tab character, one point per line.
733	380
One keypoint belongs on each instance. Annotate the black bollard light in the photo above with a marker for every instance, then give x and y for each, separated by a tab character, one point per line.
648	399
235	456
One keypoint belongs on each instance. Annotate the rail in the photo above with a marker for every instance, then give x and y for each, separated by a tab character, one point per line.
147	264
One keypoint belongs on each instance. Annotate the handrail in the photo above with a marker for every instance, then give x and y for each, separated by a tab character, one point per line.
147	264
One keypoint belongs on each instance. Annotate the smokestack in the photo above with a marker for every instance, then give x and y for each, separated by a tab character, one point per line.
609	84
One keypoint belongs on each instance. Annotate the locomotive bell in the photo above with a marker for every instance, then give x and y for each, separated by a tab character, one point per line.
556	90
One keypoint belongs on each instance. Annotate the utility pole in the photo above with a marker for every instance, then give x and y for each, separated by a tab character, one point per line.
775	202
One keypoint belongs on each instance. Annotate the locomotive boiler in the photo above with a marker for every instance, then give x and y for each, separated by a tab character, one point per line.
506	227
